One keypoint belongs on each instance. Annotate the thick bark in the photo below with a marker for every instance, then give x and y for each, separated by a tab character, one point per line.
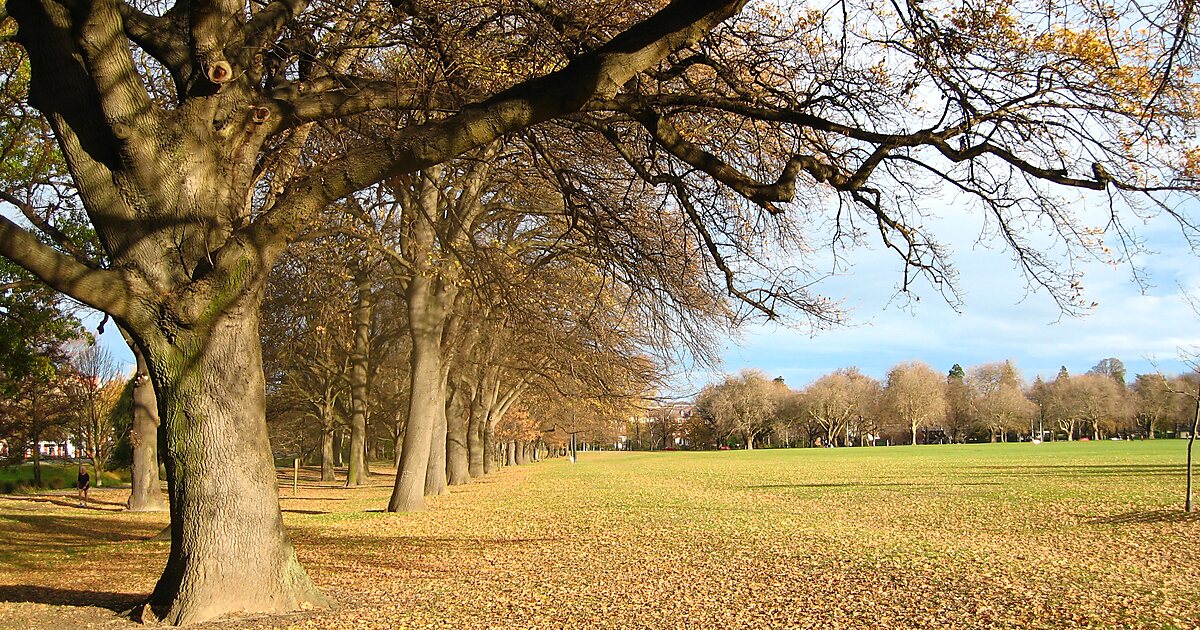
458	465
358	473
229	550
397	443
425	399
327	455
476	428
146	492
435	473
489	448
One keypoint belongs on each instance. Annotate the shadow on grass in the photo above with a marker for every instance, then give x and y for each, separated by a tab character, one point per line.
1169	515
55	529
68	501
116	602
879	484
394	545
1069	470
305	512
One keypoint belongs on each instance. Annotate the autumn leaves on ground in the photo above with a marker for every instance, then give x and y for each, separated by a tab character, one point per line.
1045	536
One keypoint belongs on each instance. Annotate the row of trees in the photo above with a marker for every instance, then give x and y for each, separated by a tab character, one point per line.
468	307
916	404
689	143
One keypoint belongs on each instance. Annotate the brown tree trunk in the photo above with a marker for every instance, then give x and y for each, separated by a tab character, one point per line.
458	437
327	472
146	492
229	550
1187	502
425	398
489	448
510	453
435	473
475	433
397	443
358	473
37	456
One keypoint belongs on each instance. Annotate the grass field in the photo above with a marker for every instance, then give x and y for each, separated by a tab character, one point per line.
55	474
977	536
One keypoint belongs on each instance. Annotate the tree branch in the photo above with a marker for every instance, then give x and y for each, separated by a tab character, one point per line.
599	74
55	234
102	289
157	36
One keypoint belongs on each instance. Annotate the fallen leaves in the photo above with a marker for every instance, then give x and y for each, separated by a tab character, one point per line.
963	537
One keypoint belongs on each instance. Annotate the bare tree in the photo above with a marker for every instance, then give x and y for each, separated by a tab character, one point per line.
1154	401
837	400
94	386
915	395
959	405
998	398
741	405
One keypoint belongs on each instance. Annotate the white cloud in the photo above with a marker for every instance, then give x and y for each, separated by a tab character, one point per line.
1001	318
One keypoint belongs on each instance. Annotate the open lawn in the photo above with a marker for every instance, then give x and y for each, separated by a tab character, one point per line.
977	536
56	474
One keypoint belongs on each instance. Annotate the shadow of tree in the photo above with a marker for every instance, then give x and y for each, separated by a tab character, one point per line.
74	530
116	602
1068	470
864	485
1168	515
69	501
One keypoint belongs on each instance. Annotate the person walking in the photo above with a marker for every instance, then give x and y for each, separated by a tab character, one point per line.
82	484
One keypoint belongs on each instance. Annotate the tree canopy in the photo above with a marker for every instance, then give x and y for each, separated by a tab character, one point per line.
203	138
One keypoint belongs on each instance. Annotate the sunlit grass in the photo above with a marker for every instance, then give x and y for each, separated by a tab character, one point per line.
1018	535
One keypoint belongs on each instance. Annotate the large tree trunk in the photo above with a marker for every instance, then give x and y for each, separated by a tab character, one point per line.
458	437
146	492
327	453
476	428
357	474
229	550
425	397
489	448
435	474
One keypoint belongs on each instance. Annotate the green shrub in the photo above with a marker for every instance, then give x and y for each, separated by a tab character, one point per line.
56	483
8	486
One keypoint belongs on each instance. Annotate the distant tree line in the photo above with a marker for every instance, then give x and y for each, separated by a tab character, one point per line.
915	404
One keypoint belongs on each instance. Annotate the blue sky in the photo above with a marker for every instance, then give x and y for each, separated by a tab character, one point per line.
1000	318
